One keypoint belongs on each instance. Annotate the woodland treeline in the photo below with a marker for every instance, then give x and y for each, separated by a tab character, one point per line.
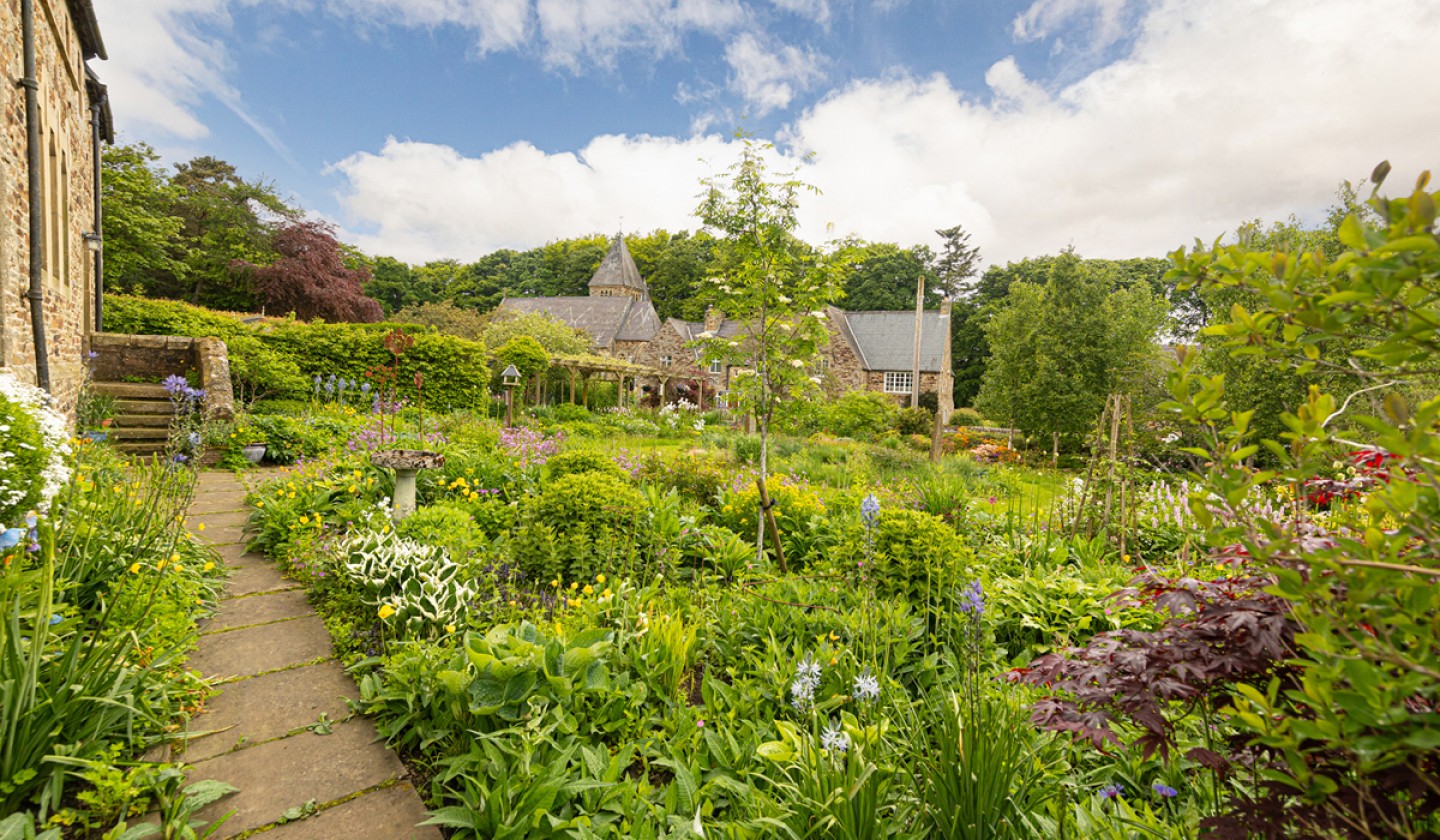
205	234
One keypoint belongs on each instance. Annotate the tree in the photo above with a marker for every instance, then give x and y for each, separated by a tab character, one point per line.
224	229
769	282
143	253
956	263
392	284
882	276
552	334
445	317
310	277
1061	348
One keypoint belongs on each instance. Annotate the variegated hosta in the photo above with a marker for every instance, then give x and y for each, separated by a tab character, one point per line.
420	584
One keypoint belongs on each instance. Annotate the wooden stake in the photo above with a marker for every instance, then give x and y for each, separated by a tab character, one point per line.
770	521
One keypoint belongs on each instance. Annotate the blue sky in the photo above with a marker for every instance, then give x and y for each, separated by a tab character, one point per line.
447	128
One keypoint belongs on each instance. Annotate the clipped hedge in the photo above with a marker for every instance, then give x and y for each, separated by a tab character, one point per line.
282	357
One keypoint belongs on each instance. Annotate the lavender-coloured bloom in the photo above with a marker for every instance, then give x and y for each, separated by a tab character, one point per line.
972	600
1165	790
10	537
91	355
56	618
870	510
175	384
1112	791
194	440
365	387
179	458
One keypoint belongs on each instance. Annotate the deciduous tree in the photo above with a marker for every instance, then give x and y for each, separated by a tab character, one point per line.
310	277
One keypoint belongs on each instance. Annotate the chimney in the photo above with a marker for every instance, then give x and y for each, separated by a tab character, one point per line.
713	319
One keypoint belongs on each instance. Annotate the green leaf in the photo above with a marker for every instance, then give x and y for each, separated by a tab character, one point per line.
777	751
1352	233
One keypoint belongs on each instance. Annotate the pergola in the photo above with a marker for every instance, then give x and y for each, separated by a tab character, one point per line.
585	365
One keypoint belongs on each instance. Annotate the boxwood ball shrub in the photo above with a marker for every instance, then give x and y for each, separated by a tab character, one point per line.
448	526
579	526
575	463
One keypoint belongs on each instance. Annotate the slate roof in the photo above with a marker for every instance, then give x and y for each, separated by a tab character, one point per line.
728	329
618	269
886	340
606	319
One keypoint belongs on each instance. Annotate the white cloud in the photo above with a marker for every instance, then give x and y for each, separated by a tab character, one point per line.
168	66
568	34
815	10
1220	112
1044	17
768	73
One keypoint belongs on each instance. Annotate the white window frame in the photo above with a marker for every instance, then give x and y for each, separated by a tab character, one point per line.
717	366
667	361
899	382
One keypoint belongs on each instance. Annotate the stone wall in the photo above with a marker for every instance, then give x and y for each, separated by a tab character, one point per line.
66	131
875	381
845	370
155	357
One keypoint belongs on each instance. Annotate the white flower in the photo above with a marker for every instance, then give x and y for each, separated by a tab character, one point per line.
834	738
783	299
797	363
867	688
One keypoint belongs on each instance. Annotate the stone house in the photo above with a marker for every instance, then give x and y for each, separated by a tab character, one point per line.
56	116
869	351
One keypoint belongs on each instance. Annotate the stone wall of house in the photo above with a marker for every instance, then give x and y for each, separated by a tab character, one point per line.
845	372
875	381
68	155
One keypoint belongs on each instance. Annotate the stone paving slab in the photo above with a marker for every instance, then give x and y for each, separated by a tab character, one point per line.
216	521
255	650
270	706
391	813
257	609
284	774
247	580
235	553
209	504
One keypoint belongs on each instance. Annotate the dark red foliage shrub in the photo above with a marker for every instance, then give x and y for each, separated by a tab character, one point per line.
311	279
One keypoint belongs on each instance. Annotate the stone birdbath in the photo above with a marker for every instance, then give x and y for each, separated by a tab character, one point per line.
407	463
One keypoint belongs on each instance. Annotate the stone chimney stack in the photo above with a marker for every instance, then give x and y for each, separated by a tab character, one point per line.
713	319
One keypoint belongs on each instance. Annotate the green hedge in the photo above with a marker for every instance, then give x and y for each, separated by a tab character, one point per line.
267	356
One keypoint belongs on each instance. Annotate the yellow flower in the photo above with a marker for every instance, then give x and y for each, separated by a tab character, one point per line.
161	565
175	558
606	593
134	568
834	638
209	566
514	603
200	527
599	578
354	489
589	590
555	582
449	628
304	520
386	611
574	586
259	504
290	495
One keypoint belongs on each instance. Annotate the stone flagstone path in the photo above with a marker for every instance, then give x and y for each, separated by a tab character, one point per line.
269	655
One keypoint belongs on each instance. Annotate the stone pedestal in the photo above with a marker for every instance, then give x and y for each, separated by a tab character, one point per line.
407	464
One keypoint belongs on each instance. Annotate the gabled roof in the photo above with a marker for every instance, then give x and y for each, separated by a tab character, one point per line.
619	269
606	319
886	340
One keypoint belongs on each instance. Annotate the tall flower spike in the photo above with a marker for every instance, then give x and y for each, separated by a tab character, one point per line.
870	510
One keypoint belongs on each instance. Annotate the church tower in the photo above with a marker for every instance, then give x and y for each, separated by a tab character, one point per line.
617	275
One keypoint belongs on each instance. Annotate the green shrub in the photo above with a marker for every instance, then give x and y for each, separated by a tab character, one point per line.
288	439
258	371
915	421
145	316
966	417
697	478
450	527
579	526
913	554
280	406
860	414
569	413
575	463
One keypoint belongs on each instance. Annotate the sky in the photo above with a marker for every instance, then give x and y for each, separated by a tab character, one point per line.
433	129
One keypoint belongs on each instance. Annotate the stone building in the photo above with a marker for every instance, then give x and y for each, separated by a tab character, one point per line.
68	116
868	351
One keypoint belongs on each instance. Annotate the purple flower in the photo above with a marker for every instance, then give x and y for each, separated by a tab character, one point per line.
175	384
179	458
1112	791
972	600
1165	790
